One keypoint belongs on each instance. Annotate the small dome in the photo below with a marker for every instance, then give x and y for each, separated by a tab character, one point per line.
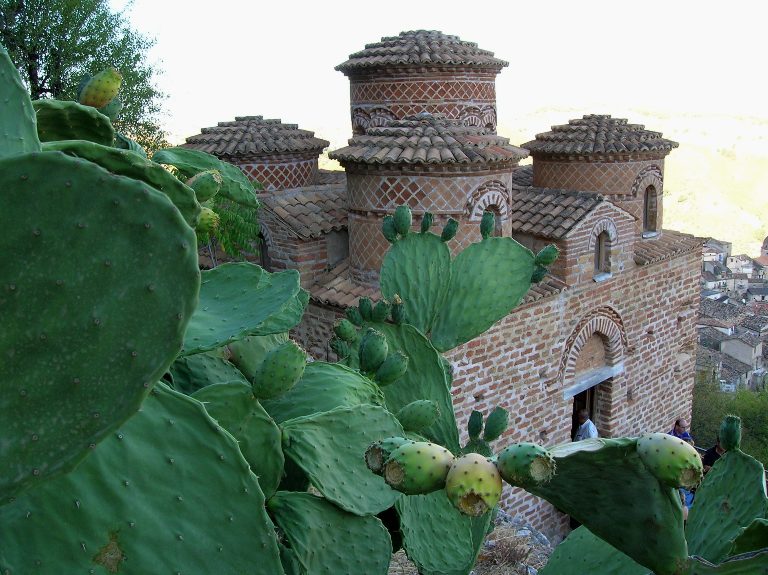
420	48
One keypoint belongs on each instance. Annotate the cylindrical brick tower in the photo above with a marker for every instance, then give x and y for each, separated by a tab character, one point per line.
598	153
430	164
422	71
278	156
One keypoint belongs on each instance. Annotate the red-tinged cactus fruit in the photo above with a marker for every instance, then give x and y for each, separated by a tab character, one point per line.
672	461
418	467
524	464
377	453
209	220
101	88
473	484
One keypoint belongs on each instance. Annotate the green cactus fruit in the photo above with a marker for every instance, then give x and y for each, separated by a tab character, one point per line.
418	467
353	315
378	452
672	461
487	224
392	369
366	308
113	109
381	311
17	116
282	367
730	433
208	222
388	229
523	464
473	484
206	184
345	330
426	222
403	220
248	353
496	423
373	351
341	348
101	88
398	313
547	256
418	415
449	231
475	424
539	273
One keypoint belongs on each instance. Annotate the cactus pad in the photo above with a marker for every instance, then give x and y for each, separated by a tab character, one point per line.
373	350
65	120
330	446
324	539
473	484
673	461
753	537
523	464
248	353
583	552
280	371
417	467
79	354
200	370
475	424
169	492
241	299
403	219
418	415
17	117
496	424
730	432
392	368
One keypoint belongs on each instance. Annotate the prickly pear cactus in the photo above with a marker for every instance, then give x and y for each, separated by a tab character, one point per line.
379	451
473	484
673	461
524	464
17	117
418	467
753	537
101	88
65	120
418	415
79	354
394	367
206	184
197	371
248	353
281	369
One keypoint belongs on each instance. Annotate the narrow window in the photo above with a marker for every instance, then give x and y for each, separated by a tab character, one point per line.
602	258
650	210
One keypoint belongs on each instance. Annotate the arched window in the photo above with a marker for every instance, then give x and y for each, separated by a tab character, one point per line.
650	210
602	254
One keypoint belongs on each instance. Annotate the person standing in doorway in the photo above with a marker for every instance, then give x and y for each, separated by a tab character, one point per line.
681	430
586	428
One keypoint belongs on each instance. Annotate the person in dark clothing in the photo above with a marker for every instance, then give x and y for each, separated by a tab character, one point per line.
711	455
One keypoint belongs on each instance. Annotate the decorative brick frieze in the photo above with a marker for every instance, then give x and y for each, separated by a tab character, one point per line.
283	174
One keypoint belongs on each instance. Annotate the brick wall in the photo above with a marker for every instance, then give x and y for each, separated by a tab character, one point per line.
316	330
277	174
287	251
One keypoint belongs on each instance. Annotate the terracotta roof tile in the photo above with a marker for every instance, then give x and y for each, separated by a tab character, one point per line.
250	136
309	212
670	244
420	48
755	323
598	135
721	311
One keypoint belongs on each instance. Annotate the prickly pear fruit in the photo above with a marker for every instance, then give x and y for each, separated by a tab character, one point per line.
392	369
473	484
345	330
377	453
539	273
388	229
426	222
547	256
373	351
475	424
671	460
366	308
418	467
341	348
282	367
523	464
496	423
450	229
381	311
206	184
487	224
353	315
730	433
418	415
113	109
403	220
100	89
398	313
209	220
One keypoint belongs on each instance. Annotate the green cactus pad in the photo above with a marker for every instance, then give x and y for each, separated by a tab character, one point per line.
583	552
496	423
487	224
112	109
523	464
449	231
323	387
547	256
753	537
241	299
388	229
125	163
403	220
235	185
235	409
201	370
17	117
673	461
247	354
327	540
417	467
473	484
66	120
330	448
730	432
290	561
475	424
426	221
398	312
345	330
365	305
372	351
125	143
595	475
418	415
280	371
418	269
392	369
169	492
477	446
381	311
79	350
745	564
731	496
378	452
488	280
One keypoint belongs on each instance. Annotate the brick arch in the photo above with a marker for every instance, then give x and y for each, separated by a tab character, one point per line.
648	176
360	120
472	116
604	321
488	113
603	225
490	194
380	116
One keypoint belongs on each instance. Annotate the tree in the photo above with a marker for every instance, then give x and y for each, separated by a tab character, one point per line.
54	43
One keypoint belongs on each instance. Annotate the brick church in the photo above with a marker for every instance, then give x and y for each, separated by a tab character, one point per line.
612	328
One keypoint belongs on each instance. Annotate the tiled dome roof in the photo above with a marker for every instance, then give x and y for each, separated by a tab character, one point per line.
251	136
599	134
421	48
428	139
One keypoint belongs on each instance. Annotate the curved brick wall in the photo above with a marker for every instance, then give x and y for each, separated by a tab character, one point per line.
283	173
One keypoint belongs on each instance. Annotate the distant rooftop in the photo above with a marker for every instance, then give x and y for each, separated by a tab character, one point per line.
670	244
711	338
722	311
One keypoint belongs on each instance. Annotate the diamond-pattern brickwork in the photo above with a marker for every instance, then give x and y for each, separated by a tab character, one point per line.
367	247
470	114
276	176
422	90
608	178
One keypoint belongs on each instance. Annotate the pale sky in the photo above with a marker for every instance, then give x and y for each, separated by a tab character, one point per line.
229	58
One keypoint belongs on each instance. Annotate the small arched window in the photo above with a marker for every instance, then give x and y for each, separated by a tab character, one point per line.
650	210
602	254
